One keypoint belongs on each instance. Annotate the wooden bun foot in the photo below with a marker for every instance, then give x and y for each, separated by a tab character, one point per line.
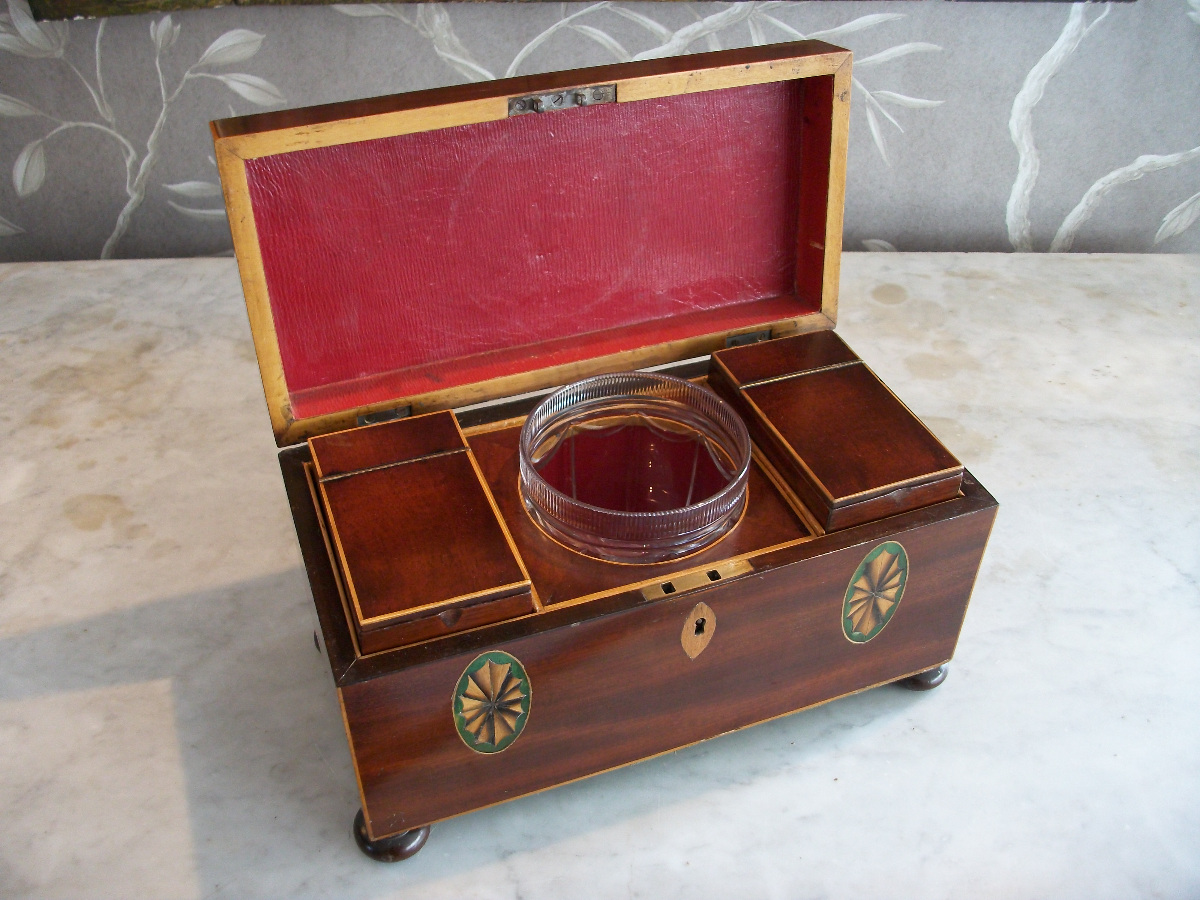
925	681
389	849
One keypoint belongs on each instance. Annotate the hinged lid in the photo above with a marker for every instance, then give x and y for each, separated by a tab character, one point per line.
413	565
847	446
440	248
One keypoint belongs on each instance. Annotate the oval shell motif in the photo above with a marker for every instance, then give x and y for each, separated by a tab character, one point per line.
874	592
491	702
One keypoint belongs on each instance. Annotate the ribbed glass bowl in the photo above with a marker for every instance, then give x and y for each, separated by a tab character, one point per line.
634	467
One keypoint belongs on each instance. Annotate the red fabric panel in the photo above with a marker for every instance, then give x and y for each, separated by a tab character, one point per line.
559	351
390	262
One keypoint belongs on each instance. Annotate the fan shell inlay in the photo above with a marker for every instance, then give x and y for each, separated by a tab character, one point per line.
491	702
874	592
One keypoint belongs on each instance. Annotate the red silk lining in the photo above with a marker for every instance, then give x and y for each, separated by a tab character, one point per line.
414	263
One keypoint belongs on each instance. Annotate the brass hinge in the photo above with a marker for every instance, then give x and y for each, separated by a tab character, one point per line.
560	100
740	340
385	415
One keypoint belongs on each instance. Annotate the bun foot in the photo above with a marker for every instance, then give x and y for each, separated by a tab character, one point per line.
925	681
389	849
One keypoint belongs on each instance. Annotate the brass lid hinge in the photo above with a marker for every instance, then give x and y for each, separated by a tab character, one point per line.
385	415
560	100
738	340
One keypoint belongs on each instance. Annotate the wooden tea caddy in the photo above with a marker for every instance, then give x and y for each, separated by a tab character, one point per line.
420	270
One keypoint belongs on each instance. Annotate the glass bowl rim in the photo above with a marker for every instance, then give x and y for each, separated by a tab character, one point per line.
736	481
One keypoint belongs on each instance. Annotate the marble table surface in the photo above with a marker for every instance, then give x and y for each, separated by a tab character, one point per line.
167	728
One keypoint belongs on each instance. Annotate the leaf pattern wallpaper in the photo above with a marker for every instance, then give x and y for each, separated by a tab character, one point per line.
975	126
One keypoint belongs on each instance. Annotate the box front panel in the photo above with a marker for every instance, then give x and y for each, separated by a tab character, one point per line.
616	689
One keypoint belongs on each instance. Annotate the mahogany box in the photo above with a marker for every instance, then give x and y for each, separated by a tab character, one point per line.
421	270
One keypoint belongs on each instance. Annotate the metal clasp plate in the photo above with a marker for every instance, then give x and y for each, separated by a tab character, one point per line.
559	100
740	340
385	415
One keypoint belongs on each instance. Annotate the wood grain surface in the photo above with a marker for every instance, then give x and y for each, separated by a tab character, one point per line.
850	449
562	575
420	547
384	444
700	71
613	689
767	360
621	663
616	691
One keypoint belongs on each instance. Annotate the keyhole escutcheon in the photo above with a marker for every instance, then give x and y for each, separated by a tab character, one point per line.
698	630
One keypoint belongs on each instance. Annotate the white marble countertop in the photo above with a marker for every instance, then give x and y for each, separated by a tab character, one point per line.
168	730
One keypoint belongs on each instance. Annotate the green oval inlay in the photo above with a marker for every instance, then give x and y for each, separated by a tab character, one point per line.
874	592
491	702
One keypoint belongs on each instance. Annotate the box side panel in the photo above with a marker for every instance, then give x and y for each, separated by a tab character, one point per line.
616	689
903	498
335	638
816	165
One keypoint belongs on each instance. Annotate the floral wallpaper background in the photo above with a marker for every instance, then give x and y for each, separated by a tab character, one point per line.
975	126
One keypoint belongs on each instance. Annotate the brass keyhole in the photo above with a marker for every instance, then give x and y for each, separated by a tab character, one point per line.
698	630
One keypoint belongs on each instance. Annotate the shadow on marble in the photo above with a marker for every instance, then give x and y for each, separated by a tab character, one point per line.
268	784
